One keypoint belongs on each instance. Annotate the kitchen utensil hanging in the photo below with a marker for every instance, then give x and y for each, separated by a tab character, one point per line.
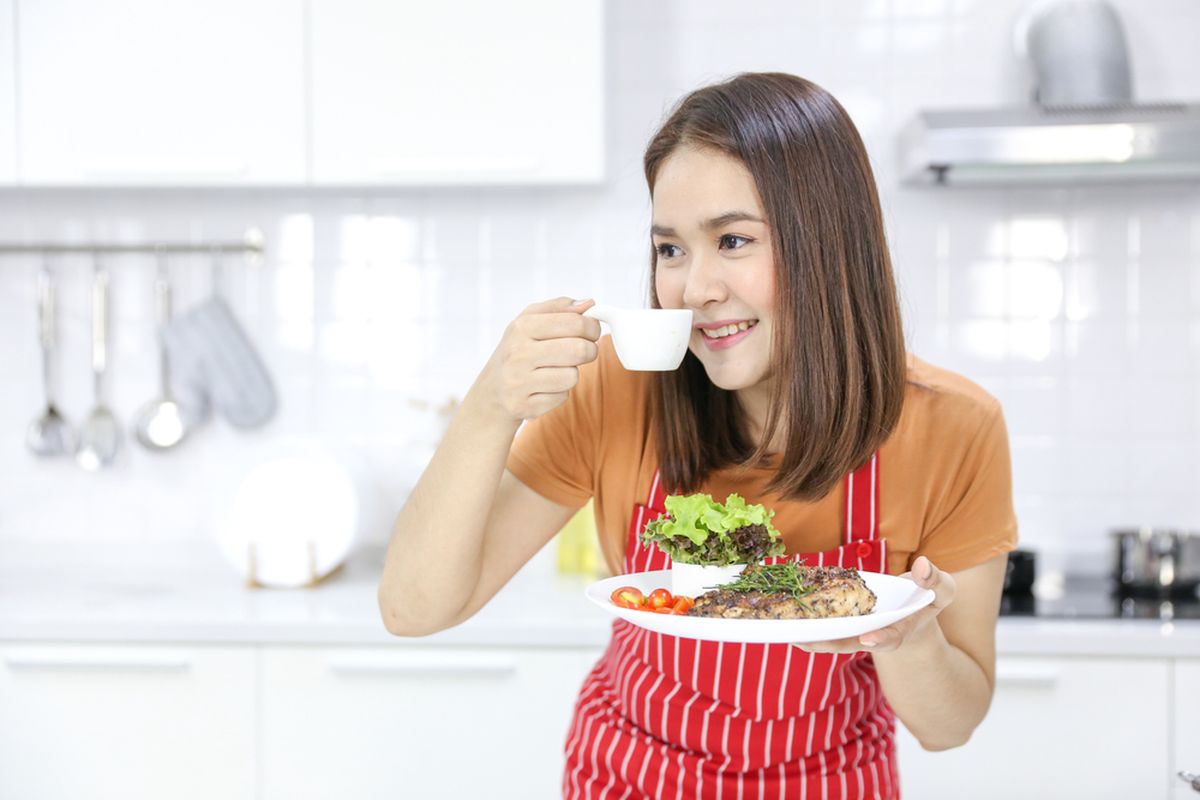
162	424
100	435
50	435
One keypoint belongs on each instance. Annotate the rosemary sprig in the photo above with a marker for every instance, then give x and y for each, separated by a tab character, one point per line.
771	578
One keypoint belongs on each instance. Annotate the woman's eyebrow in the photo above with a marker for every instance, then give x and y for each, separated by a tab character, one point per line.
716	222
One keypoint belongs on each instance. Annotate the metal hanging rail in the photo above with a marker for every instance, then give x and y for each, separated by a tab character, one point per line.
252	246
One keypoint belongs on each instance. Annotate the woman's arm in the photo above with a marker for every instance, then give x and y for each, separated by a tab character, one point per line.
469	525
937	667
940	682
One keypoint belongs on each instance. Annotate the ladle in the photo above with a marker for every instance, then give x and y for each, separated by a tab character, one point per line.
50	435
161	423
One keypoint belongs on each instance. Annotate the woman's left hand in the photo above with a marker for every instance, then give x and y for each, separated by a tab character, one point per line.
925	575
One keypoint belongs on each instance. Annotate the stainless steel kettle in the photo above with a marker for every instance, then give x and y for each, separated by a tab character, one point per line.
1156	561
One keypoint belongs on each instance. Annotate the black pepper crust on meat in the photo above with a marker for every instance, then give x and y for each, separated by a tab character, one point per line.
833	592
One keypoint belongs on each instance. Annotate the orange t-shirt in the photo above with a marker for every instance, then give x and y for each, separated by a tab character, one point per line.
945	478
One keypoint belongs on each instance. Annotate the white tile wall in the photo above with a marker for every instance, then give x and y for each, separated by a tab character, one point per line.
1079	308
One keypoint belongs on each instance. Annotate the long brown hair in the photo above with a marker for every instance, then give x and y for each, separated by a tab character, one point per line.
839	342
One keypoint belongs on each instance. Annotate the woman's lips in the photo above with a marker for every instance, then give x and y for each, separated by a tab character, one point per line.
725	342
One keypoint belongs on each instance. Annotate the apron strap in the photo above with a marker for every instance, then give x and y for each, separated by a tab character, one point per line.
862	502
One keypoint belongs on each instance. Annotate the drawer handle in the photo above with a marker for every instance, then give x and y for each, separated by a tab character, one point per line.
424	665
1031	677
41	662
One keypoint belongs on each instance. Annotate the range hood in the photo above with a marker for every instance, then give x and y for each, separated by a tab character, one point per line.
1032	144
1082	124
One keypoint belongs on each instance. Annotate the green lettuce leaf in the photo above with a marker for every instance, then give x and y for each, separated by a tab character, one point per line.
698	530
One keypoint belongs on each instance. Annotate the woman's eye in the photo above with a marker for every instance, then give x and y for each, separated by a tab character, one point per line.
667	251
731	241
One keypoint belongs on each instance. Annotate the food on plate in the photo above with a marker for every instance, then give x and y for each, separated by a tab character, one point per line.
698	530
660	601
788	591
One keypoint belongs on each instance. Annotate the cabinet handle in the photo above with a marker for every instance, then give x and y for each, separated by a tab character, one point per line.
91	661
1026	677
424	664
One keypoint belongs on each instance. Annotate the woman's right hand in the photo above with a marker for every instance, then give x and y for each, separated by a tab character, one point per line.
537	362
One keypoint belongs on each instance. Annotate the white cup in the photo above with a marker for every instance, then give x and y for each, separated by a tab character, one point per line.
648	339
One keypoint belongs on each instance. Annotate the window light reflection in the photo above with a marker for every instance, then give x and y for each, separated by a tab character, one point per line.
294	292
1030	339
1038	237
296	238
375	239
1035	289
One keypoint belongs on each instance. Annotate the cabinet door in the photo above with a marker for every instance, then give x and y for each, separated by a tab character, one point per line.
126	721
473	92
1186	706
1088	728
147	92
415	721
8	98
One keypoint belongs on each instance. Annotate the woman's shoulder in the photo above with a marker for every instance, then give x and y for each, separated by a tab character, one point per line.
939	398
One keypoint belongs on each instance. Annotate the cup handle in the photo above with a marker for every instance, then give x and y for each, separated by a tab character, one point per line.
602	313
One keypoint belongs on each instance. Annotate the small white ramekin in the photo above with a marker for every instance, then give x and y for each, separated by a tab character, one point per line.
692	580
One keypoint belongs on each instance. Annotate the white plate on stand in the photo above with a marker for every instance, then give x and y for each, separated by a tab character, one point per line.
896	598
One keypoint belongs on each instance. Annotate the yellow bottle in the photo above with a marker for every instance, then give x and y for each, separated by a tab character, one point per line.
578	549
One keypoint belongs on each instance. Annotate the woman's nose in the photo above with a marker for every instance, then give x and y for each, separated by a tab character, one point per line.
704	284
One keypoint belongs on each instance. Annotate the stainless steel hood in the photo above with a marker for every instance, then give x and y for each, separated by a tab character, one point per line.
1060	145
1082	125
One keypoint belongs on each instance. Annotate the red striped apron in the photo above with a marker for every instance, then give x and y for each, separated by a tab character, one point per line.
665	717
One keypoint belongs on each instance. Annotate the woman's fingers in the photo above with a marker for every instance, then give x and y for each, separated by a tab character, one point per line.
925	575
536	363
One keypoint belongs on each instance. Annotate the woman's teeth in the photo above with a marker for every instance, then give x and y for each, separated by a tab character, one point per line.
728	330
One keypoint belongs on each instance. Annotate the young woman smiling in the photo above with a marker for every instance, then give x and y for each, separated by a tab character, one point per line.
796	393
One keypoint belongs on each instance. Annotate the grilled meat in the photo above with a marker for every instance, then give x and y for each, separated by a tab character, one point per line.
832	592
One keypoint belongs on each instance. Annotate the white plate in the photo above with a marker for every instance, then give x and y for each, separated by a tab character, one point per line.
896	598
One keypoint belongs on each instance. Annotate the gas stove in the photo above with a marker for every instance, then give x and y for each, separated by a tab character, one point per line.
1095	598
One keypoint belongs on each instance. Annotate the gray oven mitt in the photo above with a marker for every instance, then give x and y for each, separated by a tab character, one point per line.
211	354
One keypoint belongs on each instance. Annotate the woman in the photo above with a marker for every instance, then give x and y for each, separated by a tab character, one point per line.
796	393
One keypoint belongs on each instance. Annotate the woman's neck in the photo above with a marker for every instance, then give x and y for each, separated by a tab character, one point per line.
755	403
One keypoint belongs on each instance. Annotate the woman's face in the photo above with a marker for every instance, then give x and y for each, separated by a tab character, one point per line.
714	256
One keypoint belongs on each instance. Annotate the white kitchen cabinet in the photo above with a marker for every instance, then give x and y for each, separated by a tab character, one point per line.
474	92
1058	727
145	92
126	722
1186	711
8	97
416	721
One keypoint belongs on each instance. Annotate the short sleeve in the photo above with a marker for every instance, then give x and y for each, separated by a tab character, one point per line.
555	454
979	521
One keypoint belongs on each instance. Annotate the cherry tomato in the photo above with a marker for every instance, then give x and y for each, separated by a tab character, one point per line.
663	610
628	597
682	604
660	598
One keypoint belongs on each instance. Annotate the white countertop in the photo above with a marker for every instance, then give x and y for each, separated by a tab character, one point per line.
86	593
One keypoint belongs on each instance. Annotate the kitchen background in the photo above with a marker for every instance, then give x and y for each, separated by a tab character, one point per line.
373	308
1079	308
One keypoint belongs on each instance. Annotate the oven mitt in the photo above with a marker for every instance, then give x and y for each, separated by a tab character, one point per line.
211	354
